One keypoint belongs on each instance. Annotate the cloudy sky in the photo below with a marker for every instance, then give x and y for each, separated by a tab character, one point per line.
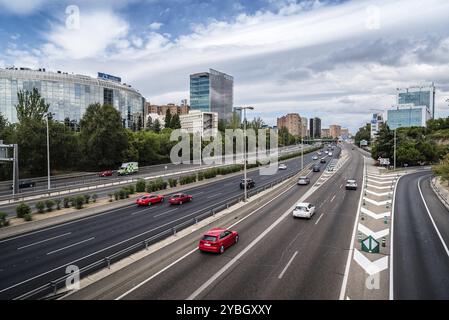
338	60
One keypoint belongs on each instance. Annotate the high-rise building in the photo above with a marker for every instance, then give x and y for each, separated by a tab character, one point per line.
304	127
345	133
315	128
407	115
423	95
335	130
197	122
212	91
292	122
376	122
70	94
162	109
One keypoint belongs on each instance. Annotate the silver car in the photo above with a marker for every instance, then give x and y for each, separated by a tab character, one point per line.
303	181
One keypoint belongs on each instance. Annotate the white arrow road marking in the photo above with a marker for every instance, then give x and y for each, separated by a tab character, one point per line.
377	187
376	203
381	194
371	267
373	215
376	235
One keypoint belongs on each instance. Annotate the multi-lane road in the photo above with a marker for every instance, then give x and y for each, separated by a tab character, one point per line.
277	256
34	259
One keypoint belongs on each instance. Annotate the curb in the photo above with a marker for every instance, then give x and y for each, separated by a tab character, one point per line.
437	192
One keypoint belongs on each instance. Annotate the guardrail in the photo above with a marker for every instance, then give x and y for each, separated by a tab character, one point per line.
437	190
51	288
93	184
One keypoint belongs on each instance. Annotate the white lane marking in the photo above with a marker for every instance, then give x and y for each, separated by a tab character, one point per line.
376	187
197	194
212	279
381	194
214	196
66	223
351	246
341	186
156	274
373	215
319	219
69	246
288	265
376	203
371	267
431	219
148	208
333	198
39	242
161	214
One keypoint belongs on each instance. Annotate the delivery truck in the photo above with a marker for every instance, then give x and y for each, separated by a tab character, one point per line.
128	168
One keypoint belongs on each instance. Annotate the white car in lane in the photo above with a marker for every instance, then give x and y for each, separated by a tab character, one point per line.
330	154
315	158
304	210
282	166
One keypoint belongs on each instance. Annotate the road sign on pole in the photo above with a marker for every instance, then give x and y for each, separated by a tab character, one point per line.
370	245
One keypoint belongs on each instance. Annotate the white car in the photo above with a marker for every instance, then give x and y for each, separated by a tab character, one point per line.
320	153
315	158
330	154
304	210
303	181
351	184
326	152
282	166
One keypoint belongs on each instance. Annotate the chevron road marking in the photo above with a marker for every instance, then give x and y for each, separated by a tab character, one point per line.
382	194
376	203
381	182
383	175
371	267
376	235
381	178
377	187
373	215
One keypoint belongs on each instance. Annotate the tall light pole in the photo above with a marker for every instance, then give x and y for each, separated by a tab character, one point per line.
48	115
394	156
302	152
244	149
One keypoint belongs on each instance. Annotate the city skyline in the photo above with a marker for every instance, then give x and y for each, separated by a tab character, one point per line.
327	74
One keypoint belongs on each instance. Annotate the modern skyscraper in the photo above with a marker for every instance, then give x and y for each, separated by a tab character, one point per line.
315	128
376	121
212	91
418	96
304	127
408	115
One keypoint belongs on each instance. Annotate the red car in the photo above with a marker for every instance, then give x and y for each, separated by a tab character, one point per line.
106	173
180	198
149	199
217	240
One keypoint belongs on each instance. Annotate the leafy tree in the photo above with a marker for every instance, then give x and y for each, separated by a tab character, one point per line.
103	139
384	145
31	106
22	209
149	124
364	133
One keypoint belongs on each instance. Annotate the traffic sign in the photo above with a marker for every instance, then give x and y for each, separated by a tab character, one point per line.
370	245
384	161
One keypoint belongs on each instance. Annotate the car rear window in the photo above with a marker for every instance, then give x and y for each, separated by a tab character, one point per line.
209	238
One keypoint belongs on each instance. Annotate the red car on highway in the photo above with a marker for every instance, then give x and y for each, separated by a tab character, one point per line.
149	199
217	240
180	198
105	173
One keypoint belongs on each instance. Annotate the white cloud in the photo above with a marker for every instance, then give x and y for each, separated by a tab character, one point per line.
21	7
155	26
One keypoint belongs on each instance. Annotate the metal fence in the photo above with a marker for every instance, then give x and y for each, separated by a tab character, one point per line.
51	288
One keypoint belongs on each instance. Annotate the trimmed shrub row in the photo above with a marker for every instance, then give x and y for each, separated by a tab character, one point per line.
4	222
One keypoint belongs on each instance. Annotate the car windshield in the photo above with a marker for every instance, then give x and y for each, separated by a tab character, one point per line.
351	181
302	178
177	196
209	238
301	208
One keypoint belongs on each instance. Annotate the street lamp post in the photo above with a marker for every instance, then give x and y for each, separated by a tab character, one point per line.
244	149
394	156
48	150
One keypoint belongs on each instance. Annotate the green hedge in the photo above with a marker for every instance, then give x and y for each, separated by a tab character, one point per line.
3	219
140	185
40	206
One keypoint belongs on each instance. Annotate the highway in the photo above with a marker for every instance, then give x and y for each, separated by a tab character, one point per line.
277	256
420	255
32	260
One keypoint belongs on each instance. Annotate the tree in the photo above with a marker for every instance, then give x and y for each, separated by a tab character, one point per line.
31	106
175	122
364	133
384	145
103	139
168	119
157	126
149	125
442	169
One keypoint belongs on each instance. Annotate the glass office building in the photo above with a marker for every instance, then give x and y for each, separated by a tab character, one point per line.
212	91
315	128
418	96
407	115
69	95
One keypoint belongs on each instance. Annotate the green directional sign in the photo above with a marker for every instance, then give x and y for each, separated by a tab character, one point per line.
370	245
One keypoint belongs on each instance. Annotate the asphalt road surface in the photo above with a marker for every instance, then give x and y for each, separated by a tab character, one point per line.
420	255
275	258
31	260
